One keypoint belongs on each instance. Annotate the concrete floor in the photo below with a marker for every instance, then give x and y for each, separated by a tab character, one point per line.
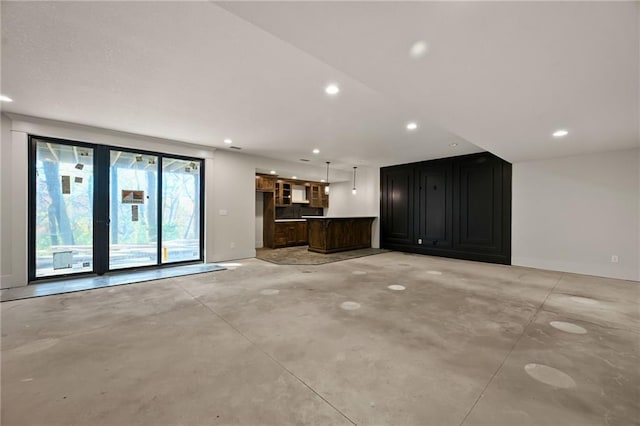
69	285
463	343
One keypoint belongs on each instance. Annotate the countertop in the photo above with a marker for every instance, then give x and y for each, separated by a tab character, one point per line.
304	218
339	217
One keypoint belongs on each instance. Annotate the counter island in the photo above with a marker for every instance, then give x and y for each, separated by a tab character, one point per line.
330	234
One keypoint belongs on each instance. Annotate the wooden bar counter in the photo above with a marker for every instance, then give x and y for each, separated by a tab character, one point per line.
330	234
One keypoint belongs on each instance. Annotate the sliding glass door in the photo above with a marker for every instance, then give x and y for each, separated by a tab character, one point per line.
94	209
133	210
62	220
180	210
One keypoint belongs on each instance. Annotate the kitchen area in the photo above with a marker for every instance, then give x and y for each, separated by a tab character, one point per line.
290	212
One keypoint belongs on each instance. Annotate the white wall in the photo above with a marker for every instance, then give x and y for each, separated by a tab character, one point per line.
5	206
230	198
259	219
572	214
13	228
366	201
234	193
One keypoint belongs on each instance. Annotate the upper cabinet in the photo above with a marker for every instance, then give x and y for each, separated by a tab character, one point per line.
283	193
288	191
265	183
317	196
324	196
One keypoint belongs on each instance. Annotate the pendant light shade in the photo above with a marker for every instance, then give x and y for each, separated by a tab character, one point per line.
326	187
353	191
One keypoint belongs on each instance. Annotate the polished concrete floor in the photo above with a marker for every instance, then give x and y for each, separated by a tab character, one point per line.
449	343
70	285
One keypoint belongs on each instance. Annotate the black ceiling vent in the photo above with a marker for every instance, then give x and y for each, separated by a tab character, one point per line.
305	160
235	147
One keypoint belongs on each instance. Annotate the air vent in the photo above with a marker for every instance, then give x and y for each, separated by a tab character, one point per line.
305	160
235	147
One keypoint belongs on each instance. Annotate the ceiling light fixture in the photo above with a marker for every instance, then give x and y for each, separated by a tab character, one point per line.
412	126
294	177
560	133
326	187
353	191
273	172
316	151
418	49
453	145
4	98
322	180
228	141
332	89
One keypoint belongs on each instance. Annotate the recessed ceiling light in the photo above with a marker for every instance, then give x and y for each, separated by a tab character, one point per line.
228	141
322	180
273	172
316	151
412	126
294	177
453	145
560	133
419	49
332	89
4	98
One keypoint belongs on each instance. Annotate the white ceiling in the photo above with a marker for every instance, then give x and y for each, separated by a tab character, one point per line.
498	76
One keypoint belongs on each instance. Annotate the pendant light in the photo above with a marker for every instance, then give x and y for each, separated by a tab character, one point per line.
353	191
326	187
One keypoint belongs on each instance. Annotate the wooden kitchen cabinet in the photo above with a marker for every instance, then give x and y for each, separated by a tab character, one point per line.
292	233
324	197
285	201
265	183
283	193
333	234
317	196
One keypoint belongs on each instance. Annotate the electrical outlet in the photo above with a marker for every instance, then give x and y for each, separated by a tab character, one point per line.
614	258
419	240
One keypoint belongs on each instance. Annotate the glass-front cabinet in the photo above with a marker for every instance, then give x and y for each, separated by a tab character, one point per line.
283	193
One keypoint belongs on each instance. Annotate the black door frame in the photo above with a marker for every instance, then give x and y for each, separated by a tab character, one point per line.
101	202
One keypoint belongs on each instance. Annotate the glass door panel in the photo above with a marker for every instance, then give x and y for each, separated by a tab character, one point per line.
133	212
180	210
63	219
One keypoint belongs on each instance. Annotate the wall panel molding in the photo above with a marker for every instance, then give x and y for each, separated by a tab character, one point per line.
456	207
